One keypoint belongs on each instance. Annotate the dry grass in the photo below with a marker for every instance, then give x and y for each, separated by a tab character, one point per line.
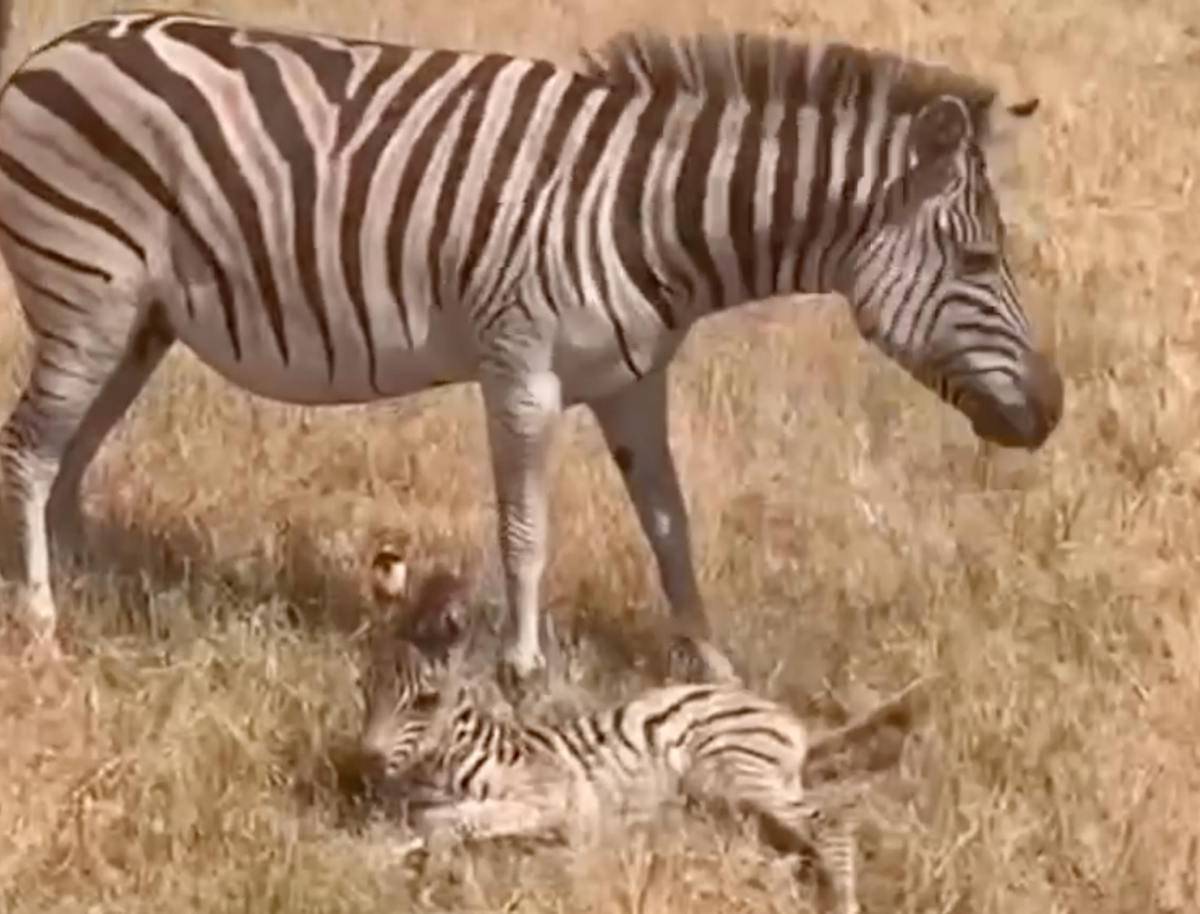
848	529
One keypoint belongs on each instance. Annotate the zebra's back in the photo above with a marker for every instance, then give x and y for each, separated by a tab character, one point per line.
320	219
684	739
472	775
624	762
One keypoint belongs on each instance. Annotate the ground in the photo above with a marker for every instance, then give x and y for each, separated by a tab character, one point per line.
850	532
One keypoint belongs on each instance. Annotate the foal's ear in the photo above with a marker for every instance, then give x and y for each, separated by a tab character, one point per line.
385	612
389	577
441	612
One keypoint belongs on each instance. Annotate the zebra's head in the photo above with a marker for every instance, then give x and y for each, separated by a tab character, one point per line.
403	690
414	655
933	288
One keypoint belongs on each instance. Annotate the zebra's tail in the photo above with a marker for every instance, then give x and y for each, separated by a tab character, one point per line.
896	710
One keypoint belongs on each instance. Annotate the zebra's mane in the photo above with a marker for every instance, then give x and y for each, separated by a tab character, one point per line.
760	68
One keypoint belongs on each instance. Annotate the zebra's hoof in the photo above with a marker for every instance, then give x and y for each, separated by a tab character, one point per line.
75	556
40	613
43	646
69	542
521	675
697	660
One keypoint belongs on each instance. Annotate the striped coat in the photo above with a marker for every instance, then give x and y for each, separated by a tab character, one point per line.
324	220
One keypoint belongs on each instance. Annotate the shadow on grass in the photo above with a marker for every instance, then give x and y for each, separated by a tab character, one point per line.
151	582
114	590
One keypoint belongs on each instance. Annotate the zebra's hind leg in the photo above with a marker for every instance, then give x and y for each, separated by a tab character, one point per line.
634	424
145	353
817	824
824	830
29	473
78	386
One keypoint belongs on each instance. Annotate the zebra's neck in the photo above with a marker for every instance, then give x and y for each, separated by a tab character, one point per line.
723	202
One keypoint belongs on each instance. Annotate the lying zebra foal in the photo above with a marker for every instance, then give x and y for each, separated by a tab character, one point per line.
462	770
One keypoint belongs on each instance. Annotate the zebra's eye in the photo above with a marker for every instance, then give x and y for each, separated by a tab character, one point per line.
425	702
978	259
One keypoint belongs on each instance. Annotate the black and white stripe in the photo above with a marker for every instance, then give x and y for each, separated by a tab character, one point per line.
453	766
324	220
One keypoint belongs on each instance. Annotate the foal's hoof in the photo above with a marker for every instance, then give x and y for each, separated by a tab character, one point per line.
697	660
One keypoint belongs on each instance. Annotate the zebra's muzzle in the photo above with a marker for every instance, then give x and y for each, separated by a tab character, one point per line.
1028	422
373	765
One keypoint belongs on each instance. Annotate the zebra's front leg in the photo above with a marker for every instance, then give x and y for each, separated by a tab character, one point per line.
634	424
487	820
522	409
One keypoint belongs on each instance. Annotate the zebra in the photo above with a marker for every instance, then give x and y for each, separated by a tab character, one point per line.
456	769
326	220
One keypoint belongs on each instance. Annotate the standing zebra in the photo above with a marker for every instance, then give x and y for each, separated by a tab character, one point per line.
324	220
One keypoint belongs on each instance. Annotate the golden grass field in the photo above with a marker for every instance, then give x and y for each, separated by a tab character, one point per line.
851	534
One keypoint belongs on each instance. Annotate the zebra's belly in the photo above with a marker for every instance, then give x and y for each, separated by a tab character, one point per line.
323	369
593	380
592	361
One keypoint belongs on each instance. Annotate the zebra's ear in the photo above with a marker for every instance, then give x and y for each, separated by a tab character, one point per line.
939	130
1008	136
1002	124
442	614
389	579
1003	128
1025	108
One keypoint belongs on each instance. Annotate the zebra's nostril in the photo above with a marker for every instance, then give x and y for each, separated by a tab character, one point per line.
1022	415
373	764
1045	388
